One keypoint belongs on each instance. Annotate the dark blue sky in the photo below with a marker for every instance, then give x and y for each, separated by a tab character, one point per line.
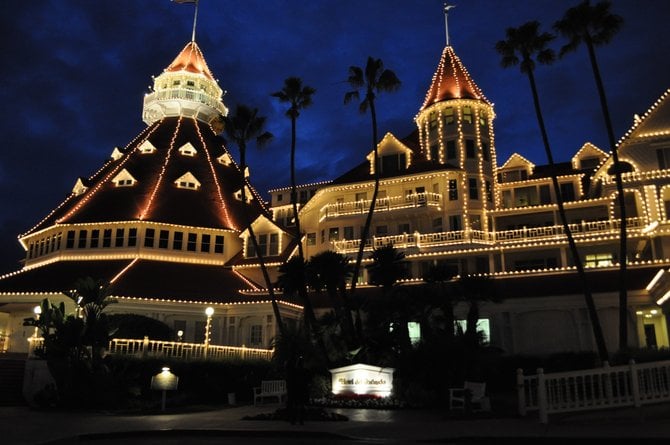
74	72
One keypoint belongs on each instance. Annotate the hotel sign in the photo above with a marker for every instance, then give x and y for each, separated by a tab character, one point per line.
362	379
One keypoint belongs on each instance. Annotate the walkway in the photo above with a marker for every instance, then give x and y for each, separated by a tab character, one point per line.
21	425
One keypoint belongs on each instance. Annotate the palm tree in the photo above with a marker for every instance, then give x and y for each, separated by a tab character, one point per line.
299	96
330	271
244	126
523	45
387	267
375	79
594	26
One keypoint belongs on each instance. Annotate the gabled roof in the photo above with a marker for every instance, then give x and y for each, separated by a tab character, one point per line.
191	60
451	81
419	164
654	123
155	197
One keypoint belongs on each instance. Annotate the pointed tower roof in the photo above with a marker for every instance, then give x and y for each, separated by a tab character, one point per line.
451	81
190	59
185	88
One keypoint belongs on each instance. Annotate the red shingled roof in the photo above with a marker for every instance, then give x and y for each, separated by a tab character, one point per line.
143	279
155	197
451	81
190	59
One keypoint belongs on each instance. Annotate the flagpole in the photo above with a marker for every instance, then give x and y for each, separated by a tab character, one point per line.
195	20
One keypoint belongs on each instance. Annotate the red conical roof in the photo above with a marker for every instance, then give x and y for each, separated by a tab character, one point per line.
155	197
451	81
190	59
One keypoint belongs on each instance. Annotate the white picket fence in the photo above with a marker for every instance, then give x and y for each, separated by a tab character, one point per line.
592	389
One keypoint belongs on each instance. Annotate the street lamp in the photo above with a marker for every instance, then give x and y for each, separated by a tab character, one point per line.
208	327
37	310
180	335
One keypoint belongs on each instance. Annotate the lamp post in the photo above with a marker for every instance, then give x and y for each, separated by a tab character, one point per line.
208	327
37	310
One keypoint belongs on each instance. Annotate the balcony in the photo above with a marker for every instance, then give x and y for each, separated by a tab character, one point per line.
585	229
410	201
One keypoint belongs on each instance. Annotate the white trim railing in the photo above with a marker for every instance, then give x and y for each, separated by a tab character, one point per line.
581	230
592	389
413	200
173	349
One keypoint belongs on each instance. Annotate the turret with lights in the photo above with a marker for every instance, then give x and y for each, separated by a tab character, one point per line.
185	88
455	126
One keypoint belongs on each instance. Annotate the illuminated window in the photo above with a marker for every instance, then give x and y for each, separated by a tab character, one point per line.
124	179
483	328
414	329
187	181
146	147
599	260
178	241
333	234
448	114
467	114
187	150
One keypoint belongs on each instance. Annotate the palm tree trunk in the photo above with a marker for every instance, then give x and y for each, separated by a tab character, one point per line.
309	315
623	254
254	242
590	304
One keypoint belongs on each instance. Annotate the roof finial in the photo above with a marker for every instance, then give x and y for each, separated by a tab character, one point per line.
447	7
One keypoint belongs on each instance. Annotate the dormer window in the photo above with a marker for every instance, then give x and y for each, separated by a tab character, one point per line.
124	179
116	154
190	83
247	194
225	159
79	187
147	147
187	181
187	150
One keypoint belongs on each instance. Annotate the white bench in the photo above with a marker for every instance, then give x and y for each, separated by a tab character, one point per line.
270	388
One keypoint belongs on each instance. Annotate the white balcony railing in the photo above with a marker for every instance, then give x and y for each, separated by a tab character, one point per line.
173	349
413	200
580	230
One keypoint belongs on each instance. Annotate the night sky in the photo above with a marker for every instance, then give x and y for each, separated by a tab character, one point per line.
74	72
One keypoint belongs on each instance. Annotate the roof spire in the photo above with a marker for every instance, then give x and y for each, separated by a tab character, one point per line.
195	14
195	20
447	7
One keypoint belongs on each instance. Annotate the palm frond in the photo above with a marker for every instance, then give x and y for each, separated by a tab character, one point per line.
351	95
